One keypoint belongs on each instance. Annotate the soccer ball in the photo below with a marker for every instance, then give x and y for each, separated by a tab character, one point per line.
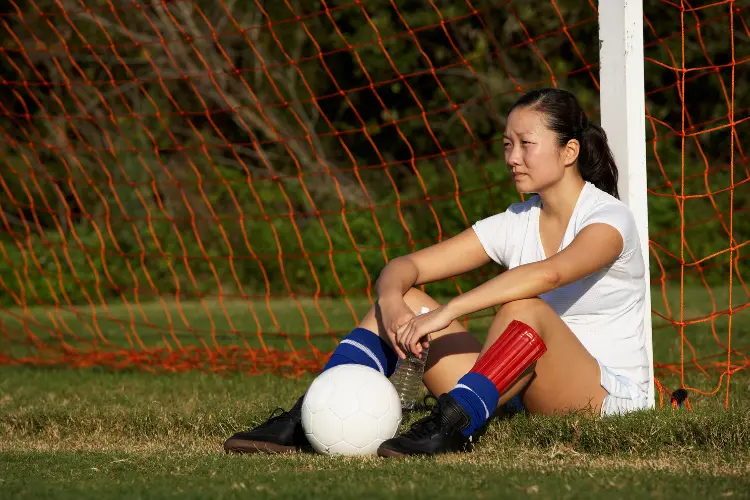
350	410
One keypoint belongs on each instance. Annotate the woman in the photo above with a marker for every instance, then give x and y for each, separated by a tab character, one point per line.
569	333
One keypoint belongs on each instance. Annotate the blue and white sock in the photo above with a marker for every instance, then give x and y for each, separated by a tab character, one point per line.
364	347
478	396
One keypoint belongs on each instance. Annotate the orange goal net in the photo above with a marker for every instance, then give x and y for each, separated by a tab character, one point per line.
214	185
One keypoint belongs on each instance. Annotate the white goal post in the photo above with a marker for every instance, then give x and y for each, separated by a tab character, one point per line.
623	117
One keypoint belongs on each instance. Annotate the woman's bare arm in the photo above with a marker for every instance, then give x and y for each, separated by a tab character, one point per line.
594	248
446	259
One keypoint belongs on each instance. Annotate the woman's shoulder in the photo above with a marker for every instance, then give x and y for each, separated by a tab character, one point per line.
600	206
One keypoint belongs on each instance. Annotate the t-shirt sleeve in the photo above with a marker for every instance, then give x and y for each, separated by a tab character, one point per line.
619	217
494	234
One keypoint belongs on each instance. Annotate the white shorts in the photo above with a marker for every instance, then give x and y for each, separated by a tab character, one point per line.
624	394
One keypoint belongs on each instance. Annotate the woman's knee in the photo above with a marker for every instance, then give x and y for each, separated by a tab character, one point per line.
414	298
529	311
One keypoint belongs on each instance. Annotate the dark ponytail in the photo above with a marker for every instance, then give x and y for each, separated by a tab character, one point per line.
566	118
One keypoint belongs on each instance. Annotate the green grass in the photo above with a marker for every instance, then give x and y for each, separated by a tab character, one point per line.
201	475
99	433
102	434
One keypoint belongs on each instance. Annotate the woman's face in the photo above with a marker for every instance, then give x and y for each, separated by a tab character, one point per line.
532	153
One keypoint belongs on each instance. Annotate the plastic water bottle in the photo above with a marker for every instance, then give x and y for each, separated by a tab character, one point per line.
407	378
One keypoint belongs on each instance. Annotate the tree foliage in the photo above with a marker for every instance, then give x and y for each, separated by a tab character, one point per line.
277	147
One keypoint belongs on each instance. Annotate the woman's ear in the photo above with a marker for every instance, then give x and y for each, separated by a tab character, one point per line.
570	152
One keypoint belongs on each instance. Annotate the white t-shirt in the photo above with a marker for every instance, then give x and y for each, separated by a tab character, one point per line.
605	310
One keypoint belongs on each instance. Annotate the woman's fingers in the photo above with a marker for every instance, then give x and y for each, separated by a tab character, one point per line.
408	340
394	342
414	344
397	342
402	328
404	339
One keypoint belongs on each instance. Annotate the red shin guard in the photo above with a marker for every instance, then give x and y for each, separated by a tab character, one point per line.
518	347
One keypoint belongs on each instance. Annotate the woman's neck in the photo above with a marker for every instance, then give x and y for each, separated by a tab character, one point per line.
559	201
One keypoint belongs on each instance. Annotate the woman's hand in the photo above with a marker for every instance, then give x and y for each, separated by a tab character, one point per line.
394	313
414	335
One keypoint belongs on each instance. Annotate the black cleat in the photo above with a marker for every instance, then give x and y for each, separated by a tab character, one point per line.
437	433
279	434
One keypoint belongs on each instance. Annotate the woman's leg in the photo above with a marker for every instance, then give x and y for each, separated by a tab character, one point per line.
566	377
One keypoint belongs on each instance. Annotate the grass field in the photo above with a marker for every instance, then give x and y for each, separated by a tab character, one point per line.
95	433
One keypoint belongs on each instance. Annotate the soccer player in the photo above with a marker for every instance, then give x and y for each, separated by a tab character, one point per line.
569	332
